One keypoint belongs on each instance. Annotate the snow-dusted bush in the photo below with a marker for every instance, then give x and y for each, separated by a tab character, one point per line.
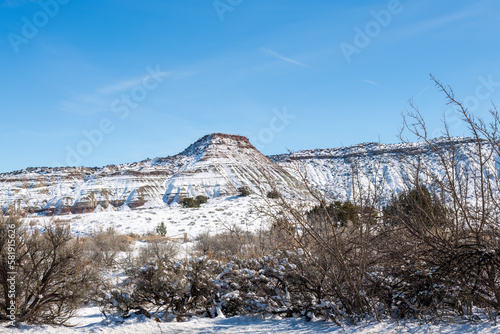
103	246
268	285
190	202
201	199
52	278
244	191
175	289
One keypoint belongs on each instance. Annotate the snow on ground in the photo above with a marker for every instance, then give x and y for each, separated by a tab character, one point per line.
213	217
91	321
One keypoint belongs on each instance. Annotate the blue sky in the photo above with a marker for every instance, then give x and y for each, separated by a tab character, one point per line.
112	81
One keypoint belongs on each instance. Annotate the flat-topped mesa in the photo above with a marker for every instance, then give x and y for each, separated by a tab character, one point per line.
228	136
213	139
218	164
377	149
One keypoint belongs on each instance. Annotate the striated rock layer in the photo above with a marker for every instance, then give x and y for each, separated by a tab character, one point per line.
217	165
380	168
78	189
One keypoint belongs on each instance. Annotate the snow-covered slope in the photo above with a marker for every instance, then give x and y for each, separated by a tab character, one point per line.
79	189
375	166
216	165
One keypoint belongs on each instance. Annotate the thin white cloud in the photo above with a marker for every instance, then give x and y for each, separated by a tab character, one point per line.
421	92
370	82
120	86
422	27
85	104
181	75
277	55
101	99
125	85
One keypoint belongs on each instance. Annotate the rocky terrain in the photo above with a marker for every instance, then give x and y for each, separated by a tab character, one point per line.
376	166
215	166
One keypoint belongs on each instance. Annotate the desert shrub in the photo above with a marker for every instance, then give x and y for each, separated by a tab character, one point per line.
223	245
268	285
414	207
190	202
134	235
158	250
104	246
201	199
176	289
233	242
244	191
343	213
53	276
273	194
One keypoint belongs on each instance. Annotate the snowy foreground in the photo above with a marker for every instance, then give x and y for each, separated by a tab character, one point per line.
92	321
214	216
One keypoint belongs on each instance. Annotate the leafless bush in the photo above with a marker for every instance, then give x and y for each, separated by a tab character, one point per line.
52	276
157	251
105	246
234	242
451	259
432	251
335	241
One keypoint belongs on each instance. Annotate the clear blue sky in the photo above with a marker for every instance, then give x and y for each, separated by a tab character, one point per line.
231	66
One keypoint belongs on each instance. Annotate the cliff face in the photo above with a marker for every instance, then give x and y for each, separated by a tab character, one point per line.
378	166
217	165
78	189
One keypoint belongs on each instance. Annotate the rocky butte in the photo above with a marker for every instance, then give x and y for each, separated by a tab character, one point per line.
217	165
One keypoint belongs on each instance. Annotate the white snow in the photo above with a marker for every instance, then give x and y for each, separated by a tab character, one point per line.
211	217
90	320
328	169
217	166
